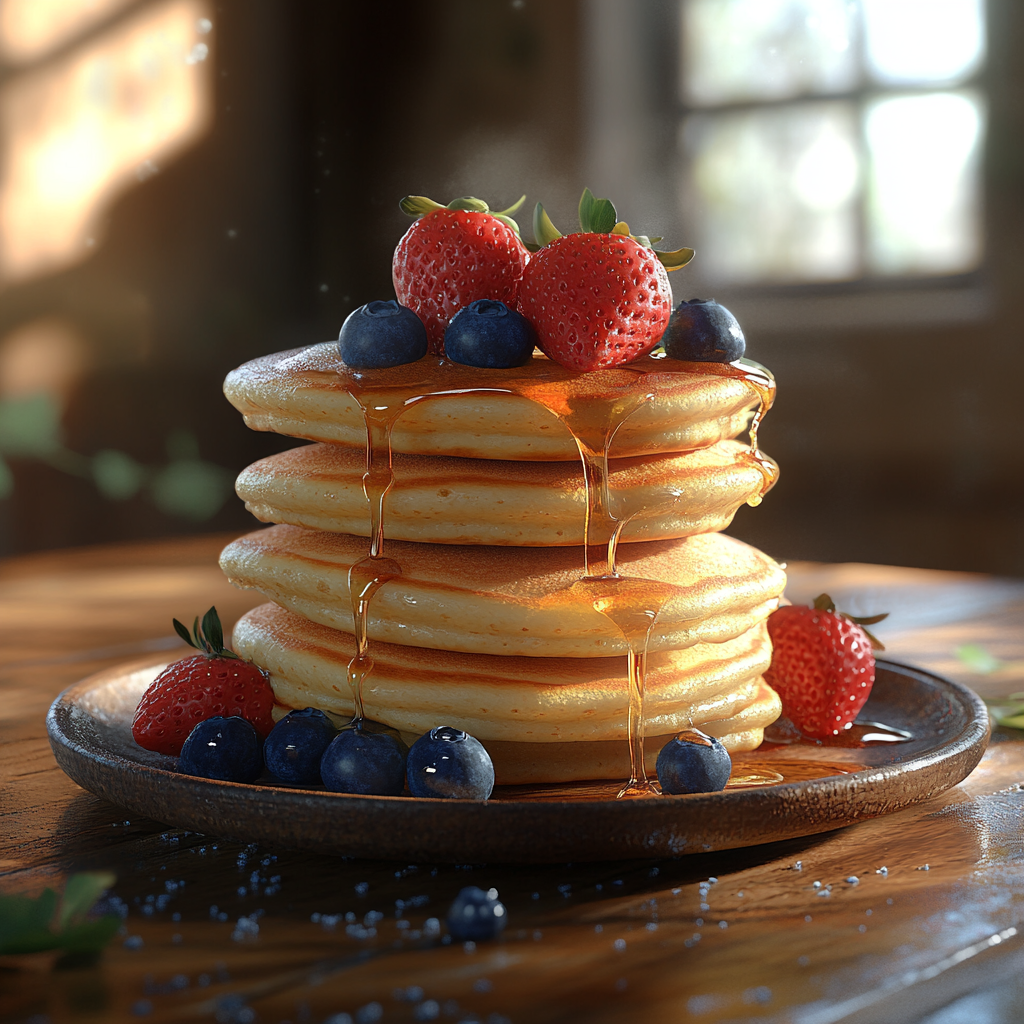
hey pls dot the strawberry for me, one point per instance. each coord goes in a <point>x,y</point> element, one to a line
<point>453,255</point>
<point>600,297</point>
<point>214,682</point>
<point>822,665</point>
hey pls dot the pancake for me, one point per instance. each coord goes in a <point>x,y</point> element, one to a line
<point>524,763</point>
<point>444,500</point>
<point>304,393</point>
<point>508,699</point>
<point>509,601</point>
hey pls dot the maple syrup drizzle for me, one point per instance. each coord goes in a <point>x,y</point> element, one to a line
<point>632,604</point>
<point>763,384</point>
<point>380,409</point>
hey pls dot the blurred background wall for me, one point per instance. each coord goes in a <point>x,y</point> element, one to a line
<point>187,184</point>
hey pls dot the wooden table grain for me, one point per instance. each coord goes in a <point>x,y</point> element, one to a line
<point>933,928</point>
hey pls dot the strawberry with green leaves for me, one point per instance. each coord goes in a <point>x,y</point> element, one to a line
<point>822,665</point>
<point>600,297</point>
<point>453,255</point>
<point>214,682</point>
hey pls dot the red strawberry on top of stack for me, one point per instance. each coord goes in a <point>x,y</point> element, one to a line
<point>453,255</point>
<point>599,297</point>
<point>822,667</point>
<point>215,682</point>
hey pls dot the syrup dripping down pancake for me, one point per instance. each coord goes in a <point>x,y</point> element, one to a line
<point>509,601</point>
<point>443,500</point>
<point>509,699</point>
<point>305,393</point>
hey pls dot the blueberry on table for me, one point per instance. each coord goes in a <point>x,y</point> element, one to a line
<point>296,744</point>
<point>702,331</point>
<point>364,762</point>
<point>693,762</point>
<point>382,334</point>
<point>476,915</point>
<point>226,749</point>
<point>487,333</point>
<point>449,763</point>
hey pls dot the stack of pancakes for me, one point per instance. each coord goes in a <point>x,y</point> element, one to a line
<point>483,628</point>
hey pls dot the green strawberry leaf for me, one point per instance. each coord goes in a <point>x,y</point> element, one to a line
<point>213,631</point>
<point>622,228</point>
<point>866,620</point>
<point>543,230</point>
<point>675,259</point>
<point>183,632</point>
<point>469,203</point>
<point>512,209</point>
<point>597,215</point>
<point>417,206</point>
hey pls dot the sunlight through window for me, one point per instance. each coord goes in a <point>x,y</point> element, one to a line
<point>785,184</point>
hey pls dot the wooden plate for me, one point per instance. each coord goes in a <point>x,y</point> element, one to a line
<point>823,788</point>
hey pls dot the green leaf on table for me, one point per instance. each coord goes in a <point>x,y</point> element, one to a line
<point>977,659</point>
<point>24,919</point>
<point>81,892</point>
<point>36,924</point>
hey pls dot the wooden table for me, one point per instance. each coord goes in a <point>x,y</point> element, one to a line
<point>218,931</point>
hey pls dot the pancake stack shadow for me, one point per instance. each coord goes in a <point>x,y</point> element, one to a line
<point>485,518</point>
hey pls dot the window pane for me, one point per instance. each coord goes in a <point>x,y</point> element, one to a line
<point>923,41</point>
<point>765,49</point>
<point>772,193</point>
<point>923,212</point>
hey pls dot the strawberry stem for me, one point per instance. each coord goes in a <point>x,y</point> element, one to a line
<point>824,603</point>
<point>208,638</point>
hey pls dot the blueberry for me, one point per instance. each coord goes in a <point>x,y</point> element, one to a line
<point>295,745</point>
<point>702,331</point>
<point>382,334</point>
<point>693,762</point>
<point>476,915</point>
<point>487,333</point>
<point>359,760</point>
<point>228,749</point>
<point>450,763</point>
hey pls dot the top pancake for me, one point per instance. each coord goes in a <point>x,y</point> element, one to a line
<point>305,393</point>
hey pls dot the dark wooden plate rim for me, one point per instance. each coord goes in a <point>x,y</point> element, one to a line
<point>524,831</point>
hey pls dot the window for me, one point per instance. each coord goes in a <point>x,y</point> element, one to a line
<point>832,140</point>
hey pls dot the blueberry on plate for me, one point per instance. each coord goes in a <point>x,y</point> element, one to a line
<point>296,744</point>
<point>487,333</point>
<point>449,763</point>
<point>227,749</point>
<point>362,761</point>
<point>382,334</point>
<point>476,915</point>
<point>702,331</point>
<point>693,762</point>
